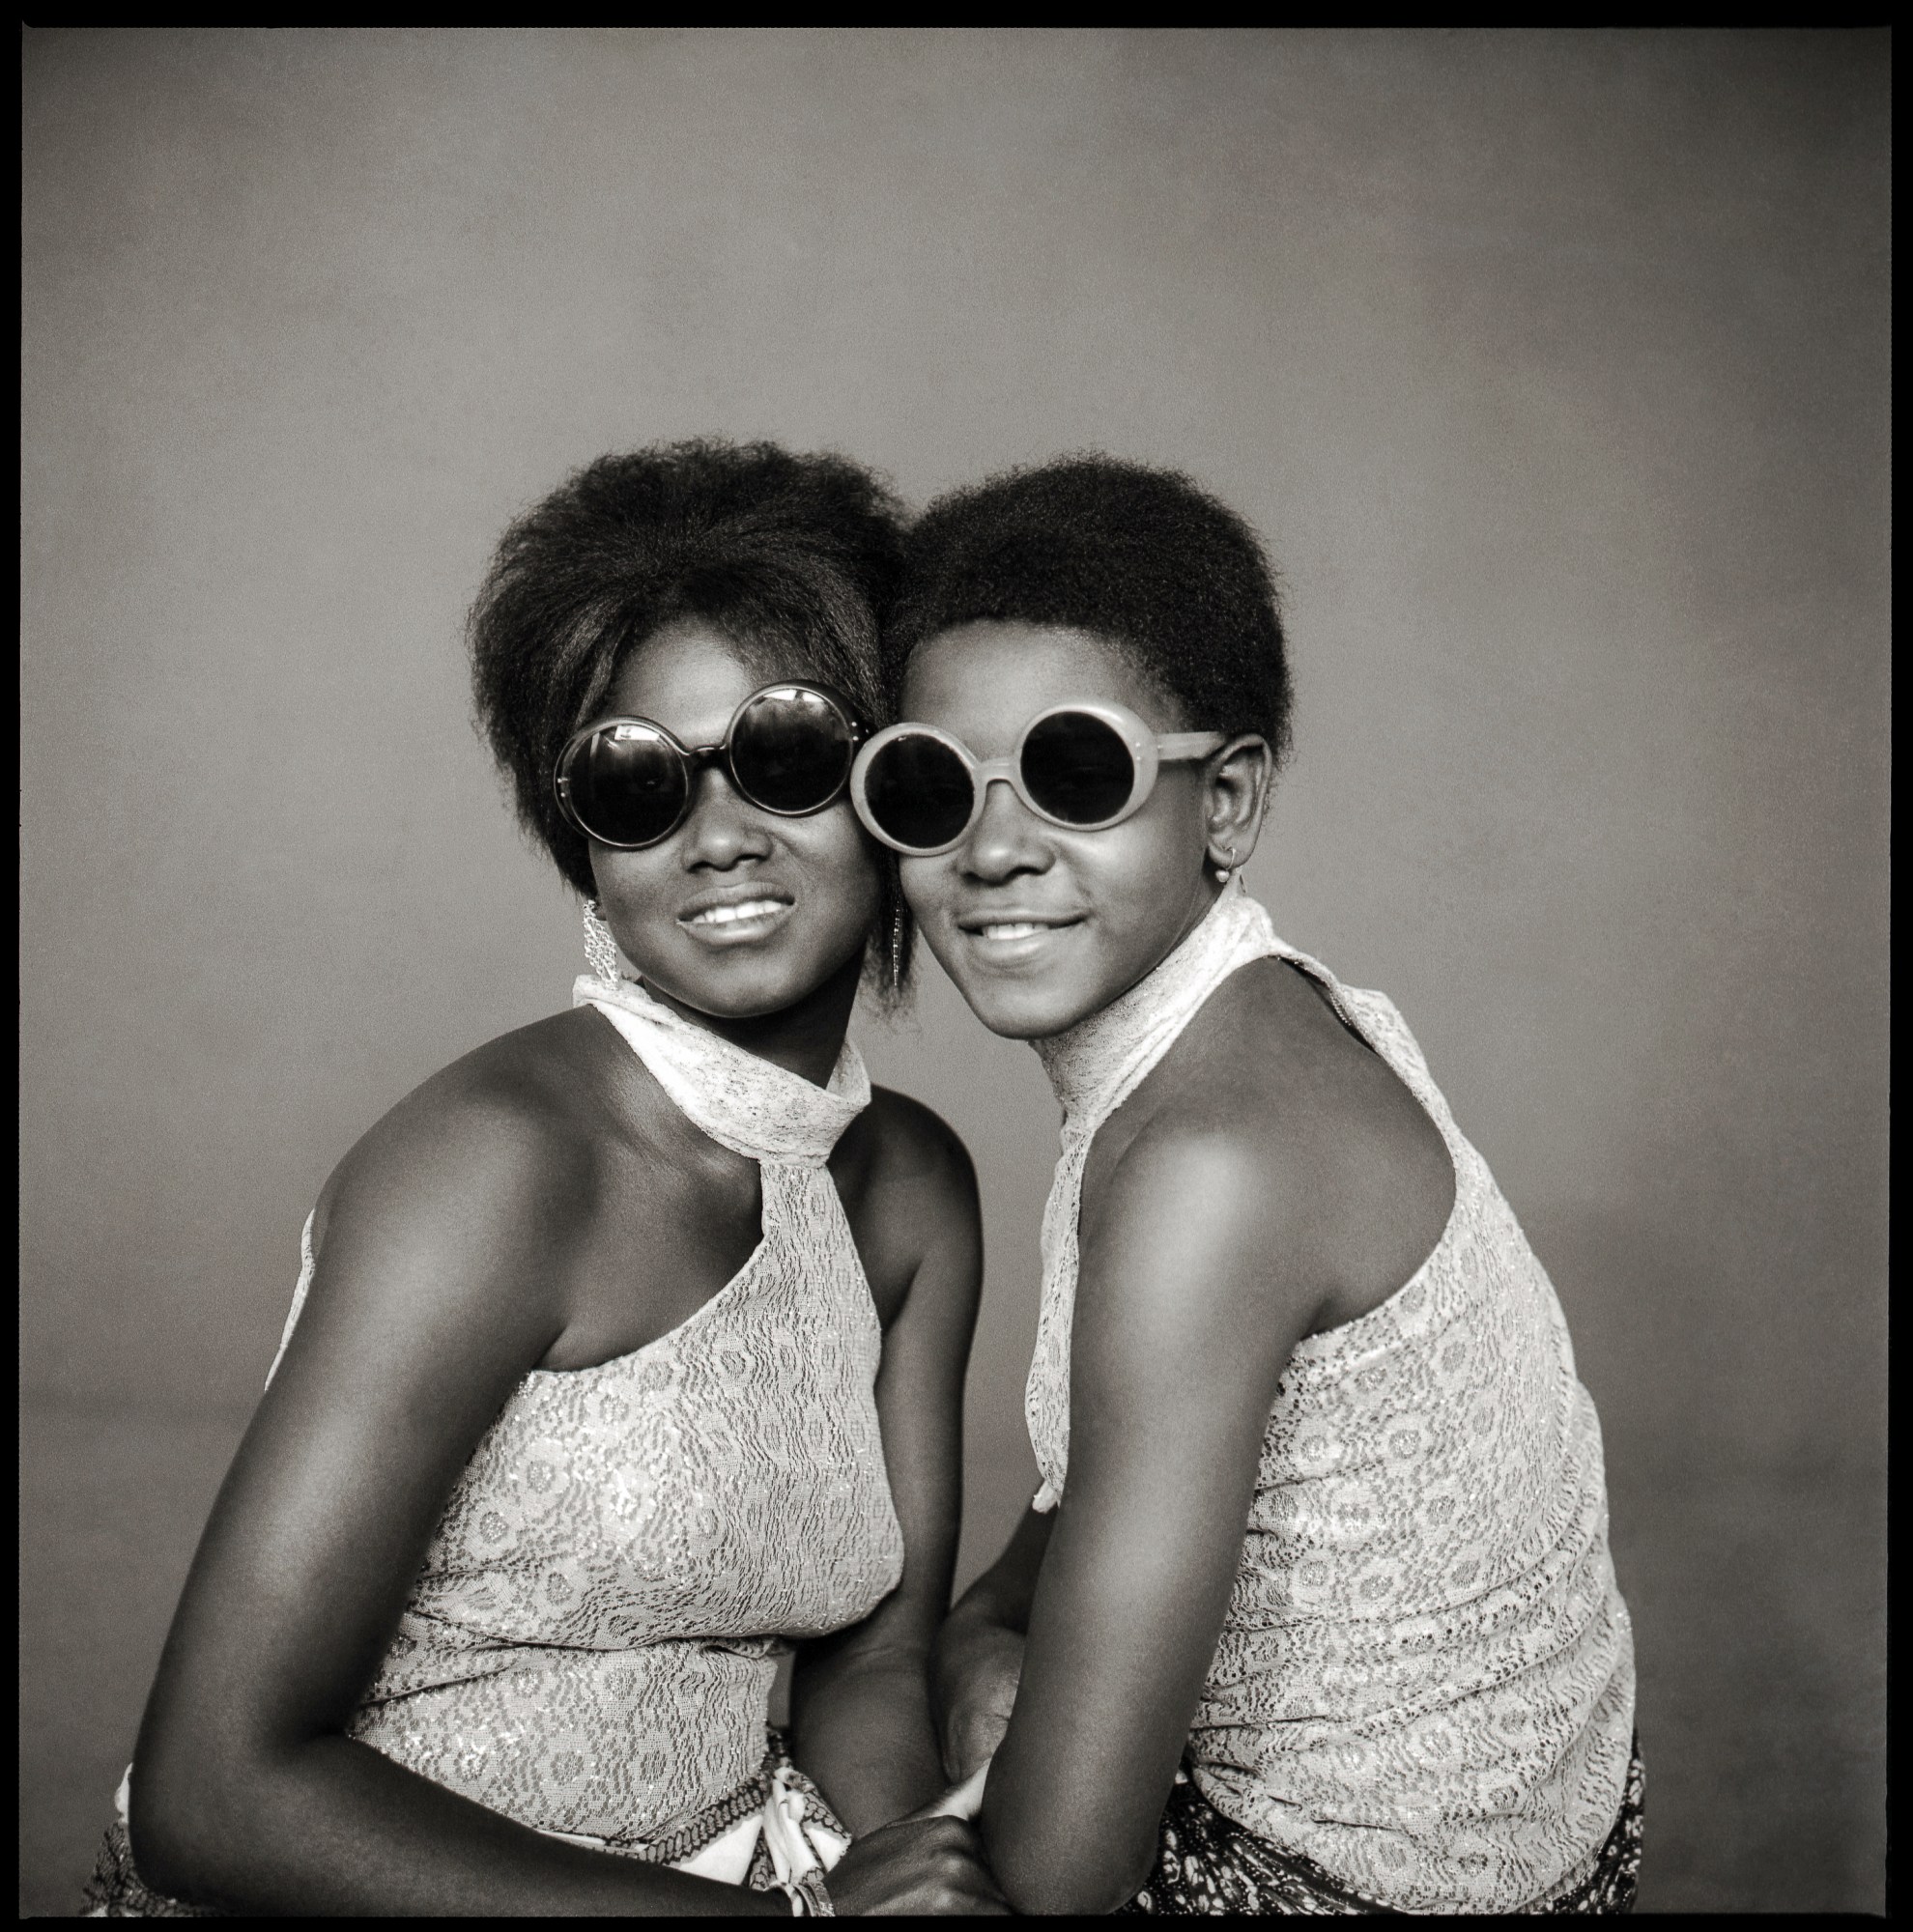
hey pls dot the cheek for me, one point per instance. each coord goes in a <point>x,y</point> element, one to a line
<point>1136,870</point>
<point>1143,888</point>
<point>927,884</point>
<point>630,881</point>
<point>839,862</point>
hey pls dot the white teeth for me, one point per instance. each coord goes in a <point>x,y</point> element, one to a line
<point>1013,929</point>
<point>729,915</point>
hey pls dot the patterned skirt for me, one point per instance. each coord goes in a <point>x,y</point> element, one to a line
<point>1209,1865</point>
<point>116,1890</point>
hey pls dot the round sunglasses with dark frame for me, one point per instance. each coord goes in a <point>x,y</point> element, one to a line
<point>627,783</point>
<point>1084,767</point>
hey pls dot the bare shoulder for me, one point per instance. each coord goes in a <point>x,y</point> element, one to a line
<point>514,1111</point>
<point>465,1196</point>
<point>915,1144</point>
<point>1272,1115</point>
<point>910,1191</point>
<point>1183,1207</point>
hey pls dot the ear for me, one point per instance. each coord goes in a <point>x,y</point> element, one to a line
<point>1238,777</point>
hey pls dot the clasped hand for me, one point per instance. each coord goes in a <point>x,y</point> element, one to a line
<point>930,1861</point>
<point>933,1860</point>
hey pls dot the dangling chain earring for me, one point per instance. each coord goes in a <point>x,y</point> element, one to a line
<point>1223,870</point>
<point>600,948</point>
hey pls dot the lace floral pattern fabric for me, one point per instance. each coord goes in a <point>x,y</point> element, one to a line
<point>590,1644</point>
<point>1424,1682</point>
<point>591,1639</point>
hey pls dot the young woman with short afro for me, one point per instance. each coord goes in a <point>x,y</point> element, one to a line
<point>1314,1610</point>
<point>628,1351</point>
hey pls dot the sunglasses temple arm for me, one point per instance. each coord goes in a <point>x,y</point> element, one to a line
<point>1174,746</point>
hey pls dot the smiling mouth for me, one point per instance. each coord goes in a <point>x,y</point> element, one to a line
<point>1015,937</point>
<point>743,912</point>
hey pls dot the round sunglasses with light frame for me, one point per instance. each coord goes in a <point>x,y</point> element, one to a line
<point>1084,767</point>
<point>627,783</point>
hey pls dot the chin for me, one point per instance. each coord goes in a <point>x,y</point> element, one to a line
<point>742,988</point>
<point>740,1003</point>
<point>1023,1012</point>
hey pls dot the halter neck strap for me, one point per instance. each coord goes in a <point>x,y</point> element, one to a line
<point>744,1102</point>
<point>1100,1062</point>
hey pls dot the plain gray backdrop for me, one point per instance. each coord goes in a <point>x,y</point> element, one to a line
<point>1552,368</point>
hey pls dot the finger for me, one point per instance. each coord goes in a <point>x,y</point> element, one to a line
<point>964,1799</point>
<point>974,1741</point>
<point>975,1905</point>
<point>937,1807</point>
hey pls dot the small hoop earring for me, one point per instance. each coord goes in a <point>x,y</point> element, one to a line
<point>1223,870</point>
<point>600,948</point>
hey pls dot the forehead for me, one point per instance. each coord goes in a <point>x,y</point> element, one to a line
<point>985,681</point>
<point>688,676</point>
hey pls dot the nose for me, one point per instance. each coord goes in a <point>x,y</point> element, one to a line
<point>722,829</point>
<point>1008,838</point>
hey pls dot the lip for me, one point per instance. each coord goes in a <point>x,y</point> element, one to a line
<point>980,917</point>
<point>1004,936</point>
<point>737,914</point>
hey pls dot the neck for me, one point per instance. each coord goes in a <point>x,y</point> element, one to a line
<point>1208,890</point>
<point>1096,1063</point>
<point>1201,903</point>
<point>805,1038</point>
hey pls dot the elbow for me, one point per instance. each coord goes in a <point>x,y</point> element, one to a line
<point>187,1818</point>
<point>1046,1882</point>
<point>1073,1894</point>
<point>165,1831</point>
<point>1130,1878</point>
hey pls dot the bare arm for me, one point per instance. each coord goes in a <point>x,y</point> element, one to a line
<point>432,1297</point>
<point>860,1698</point>
<point>1179,1344</point>
<point>978,1660</point>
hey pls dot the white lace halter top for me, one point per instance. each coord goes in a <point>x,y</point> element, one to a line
<point>1425,1676</point>
<point>591,1642</point>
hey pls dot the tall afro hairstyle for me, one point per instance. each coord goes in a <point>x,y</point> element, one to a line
<point>1140,557</point>
<point>794,559</point>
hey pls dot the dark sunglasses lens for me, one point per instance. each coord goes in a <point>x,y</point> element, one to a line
<point>919,792</point>
<point>627,785</point>
<point>791,751</point>
<point>1078,768</point>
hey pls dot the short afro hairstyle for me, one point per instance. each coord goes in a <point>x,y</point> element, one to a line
<point>795,559</point>
<point>1138,555</point>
